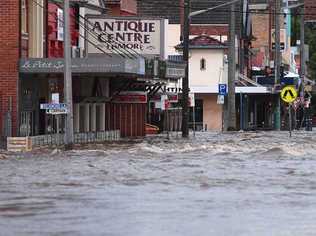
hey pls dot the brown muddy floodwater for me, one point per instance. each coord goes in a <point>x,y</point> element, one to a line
<point>237,184</point>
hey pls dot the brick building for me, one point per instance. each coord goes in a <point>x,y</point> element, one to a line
<point>9,54</point>
<point>32,42</point>
<point>310,10</point>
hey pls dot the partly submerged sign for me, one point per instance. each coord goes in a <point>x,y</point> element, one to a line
<point>125,34</point>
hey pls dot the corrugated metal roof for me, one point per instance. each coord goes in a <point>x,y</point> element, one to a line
<point>171,10</point>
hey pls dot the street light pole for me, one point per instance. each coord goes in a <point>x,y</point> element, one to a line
<point>231,99</point>
<point>185,80</point>
<point>302,43</point>
<point>277,62</point>
<point>69,137</point>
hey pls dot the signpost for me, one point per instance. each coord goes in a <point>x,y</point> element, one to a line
<point>222,89</point>
<point>192,104</point>
<point>55,108</point>
<point>289,95</point>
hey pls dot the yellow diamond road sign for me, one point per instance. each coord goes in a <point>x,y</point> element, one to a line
<point>288,94</point>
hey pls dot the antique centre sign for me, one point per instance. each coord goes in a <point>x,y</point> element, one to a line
<point>119,34</point>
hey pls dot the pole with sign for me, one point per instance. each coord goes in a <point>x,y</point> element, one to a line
<point>288,95</point>
<point>164,107</point>
<point>192,104</point>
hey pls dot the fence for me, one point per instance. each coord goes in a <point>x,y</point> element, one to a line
<point>91,137</point>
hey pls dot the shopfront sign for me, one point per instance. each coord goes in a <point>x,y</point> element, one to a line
<point>131,97</point>
<point>60,24</point>
<point>84,65</point>
<point>175,70</point>
<point>172,97</point>
<point>118,34</point>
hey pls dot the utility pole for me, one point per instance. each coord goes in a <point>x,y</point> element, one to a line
<point>185,80</point>
<point>69,138</point>
<point>302,43</point>
<point>230,118</point>
<point>277,62</point>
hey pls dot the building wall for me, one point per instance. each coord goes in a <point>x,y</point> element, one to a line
<point>212,112</point>
<point>212,75</point>
<point>261,31</point>
<point>9,52</point>
<point>173,38</point>
<point>218,32</point>
<point>36,29</point>
<point>55,46</point>
<point>310,10</point>
<point>128,7</point>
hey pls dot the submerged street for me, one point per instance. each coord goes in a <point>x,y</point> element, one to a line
<point>213,184</point>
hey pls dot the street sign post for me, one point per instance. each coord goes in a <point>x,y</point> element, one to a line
<point>220,99</point>
<point>52,106</point>
<point>57,111</point>
<point>222,89</point>
<point>289,95</point>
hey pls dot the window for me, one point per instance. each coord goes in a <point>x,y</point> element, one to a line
<point>203,64</point>
<point>23,17</point>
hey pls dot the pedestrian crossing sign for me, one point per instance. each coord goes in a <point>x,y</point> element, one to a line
<point>288,94</point>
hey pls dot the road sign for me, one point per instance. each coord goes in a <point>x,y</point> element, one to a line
<point>288,94</point>
<point>57,111</point>
<point>191,100</point>
<point>222,89</point>
<point>53,106</point>
<point>220,99</point>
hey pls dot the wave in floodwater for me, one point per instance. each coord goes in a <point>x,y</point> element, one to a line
<point>241,184</point>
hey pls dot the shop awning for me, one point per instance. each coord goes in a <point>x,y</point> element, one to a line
<point>139,67</point>
<point>84,65</point>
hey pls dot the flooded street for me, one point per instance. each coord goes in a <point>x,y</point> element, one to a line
<point>239,184</point>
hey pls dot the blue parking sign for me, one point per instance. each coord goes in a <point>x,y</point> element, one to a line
<point>222,89</point>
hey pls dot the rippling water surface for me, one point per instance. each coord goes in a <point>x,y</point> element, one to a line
<point>214,184</point>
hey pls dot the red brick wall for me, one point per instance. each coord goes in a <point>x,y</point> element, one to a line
<point>209,29</point>
<point>123,8</point>
<point>129,7</point>
<point>9,54</point>
<point>55,47</point>
<point>310,10</point>
<point>260,30</point>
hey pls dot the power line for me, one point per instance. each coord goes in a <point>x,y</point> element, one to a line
<point>256,12</point>
<point>95,35</point>
<point>120,52</point>
<point>38,4</point>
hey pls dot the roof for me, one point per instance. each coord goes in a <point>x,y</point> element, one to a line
<point>171,10</point>
<point>204,42</point>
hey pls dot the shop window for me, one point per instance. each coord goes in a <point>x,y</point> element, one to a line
<point>203,64</point>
